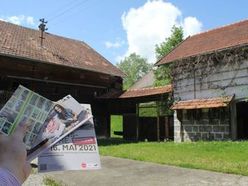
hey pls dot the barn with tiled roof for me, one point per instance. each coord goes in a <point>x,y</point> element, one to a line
<point>210,84</point>
<point>55,68</point>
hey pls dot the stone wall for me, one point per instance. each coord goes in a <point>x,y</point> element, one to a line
<point>202,124</point>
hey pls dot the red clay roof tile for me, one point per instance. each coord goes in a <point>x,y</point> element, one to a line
<point>213,40</point>
<point>131,93</point>
<point>134,93</point>
<point>203,103</point>
<point>18,41</point>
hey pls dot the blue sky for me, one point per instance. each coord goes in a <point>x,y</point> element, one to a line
<point>116,28</point>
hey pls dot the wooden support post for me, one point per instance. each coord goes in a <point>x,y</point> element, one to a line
<point>108,127</point>
<point>137,121</point>
<point>158,129</point>
<point>233,113</point>
<point>166,127</point>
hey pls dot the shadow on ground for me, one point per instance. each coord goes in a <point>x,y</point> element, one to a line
<point>113,141</point>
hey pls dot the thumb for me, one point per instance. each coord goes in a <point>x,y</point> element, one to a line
<point>19,132</point>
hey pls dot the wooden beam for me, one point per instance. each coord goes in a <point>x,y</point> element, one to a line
<point>158,129</point>
<point>18,67</point>
<point>137,121</point>
<point>55,82</point>
<point>166,119</point>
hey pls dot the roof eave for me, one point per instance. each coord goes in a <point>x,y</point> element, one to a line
<point>204,53</point>
<point>158,62</point>
<point>50,63</point>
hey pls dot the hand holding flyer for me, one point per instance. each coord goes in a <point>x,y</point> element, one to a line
<point>47,122</point>
<point>13,155</point>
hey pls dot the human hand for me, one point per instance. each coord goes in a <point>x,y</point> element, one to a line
<point>13,154</point>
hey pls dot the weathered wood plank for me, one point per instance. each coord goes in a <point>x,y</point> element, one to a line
<point>239,91</point>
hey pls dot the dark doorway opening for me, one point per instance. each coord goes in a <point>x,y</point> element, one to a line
<point>242,120</point>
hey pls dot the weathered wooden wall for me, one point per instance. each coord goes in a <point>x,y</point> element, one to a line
<point>56,81</point>
<point>226,79</point>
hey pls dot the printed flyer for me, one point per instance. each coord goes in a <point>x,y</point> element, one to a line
<point>77,151</point>
<point>47,122</point>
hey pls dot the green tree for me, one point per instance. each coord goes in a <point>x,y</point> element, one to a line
<point>135,67</point>
<point>163,73</point>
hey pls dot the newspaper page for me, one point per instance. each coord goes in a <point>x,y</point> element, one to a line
<point>47,122</point>
<point>77,151</point>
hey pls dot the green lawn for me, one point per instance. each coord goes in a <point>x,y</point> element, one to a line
<point>116,125</point>
<point>228,157</point>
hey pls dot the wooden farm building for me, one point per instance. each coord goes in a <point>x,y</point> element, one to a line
<point>59,67</point>
<point>209,87</point>
<point>210,84</point>
<point>155,125</point>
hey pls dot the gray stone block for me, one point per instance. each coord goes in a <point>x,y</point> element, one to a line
<point>225,121</point>
<point>211,136</point>
<point>205,136</point>
<point>218,136</point>
<point>226,136</point>
<point>227,129</point>
<point>204,122</point>
<point>214,122</point>
<point>188,128</point>
<point>219,128</point>
<point>195,129</point>
<point>205,128</point>
<point>195,136</point>
<point>187,122</point>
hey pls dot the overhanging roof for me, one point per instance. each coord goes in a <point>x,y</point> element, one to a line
<point>222,38</point>
<point>137,93</point>
<point>20,42</point>
<point>143,92</point>
<point>203,103</point>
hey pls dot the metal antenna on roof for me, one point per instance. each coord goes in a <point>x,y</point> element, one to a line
<point>42,28</point>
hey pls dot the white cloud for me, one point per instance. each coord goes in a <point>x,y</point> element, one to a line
<point>151,23</point>
<point>117,44</point>
<point>19,20</point>
<point>191,26</point>
<point>16,19</point>
<point>30,20</point>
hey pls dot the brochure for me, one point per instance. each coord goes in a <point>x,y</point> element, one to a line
<point>77,151</point>
<point>47,122</point>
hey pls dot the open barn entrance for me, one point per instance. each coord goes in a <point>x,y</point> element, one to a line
<point>116,123</point>
<point>242,120</point>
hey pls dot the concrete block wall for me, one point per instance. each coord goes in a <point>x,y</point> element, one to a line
<point>202,124</point>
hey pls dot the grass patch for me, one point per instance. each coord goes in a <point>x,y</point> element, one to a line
<point>148,112</point>
<point>227,157</point>
<point>116,125</point>
<point>51,182</point>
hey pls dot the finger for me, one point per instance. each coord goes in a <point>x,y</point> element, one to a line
<point>19,132</point>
